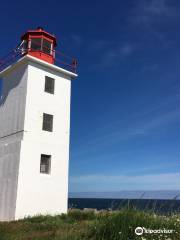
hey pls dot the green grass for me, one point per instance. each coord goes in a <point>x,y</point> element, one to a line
<point>88,225</point>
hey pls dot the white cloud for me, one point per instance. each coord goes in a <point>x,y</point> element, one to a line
<point>163,181</point>
<point>157,7</point>
<point>148,12</point>
<point>77,39</point>
<point>150,68</point>
<point>150,122</point>
<point>114,55</point>
<point>155,122</point>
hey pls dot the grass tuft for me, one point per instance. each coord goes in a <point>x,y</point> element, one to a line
<point>90,225</point>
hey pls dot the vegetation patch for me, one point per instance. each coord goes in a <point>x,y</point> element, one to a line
<point>91,225</point>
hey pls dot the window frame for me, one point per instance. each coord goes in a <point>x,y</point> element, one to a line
<point>47,165</point>
<point>46,121</point>
<point>52,90</point>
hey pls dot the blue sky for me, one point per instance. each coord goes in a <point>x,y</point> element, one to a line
<point>125,131</point>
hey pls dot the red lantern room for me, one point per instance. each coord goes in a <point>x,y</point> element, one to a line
<point>40,44</point>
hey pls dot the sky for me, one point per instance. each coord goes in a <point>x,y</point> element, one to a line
<point>125,106</point>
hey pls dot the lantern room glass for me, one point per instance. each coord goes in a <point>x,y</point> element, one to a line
<point>36,44</point>
<point>41,44</point>
<point>46,46</point>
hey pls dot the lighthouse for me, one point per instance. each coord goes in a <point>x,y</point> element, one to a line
<point>34,127</point>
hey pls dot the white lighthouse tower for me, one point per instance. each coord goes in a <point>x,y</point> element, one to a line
<point>34,129</point>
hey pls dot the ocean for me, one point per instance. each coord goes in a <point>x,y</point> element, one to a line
<point>161,202</point>
<point>156,205</point>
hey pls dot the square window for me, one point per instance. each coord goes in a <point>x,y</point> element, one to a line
<point>47,122</point>
<point>45,164</point>
<point>49,85</point>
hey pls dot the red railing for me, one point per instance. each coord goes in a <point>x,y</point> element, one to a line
<point>65,61</point>
<point>60,59</point>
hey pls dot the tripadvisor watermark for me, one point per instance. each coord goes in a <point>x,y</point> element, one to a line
<point>142,230</point>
